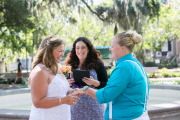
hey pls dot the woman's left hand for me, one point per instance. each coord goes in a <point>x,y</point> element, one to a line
<point>70,81</point>
<point>88,81</point>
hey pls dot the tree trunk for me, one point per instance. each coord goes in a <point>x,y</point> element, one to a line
<point>138,56</point>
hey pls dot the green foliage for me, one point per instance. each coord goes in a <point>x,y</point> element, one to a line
<point>173,74</point>
<point>1,79</point>
<point>93,31</point>
<point>24,83</point>
<point>158,75</point>
<point>161,65</point>
<point>16,22</point>
<point>165,82</point>
<point>167,65</point>
<point>165,27</point>
<point>124,12</point>
<point>154,75</point>
<point>3,82</point>
<point>151,75</point>
<point>173,64</point>
<point>70,20</point>
<point>110,70</point>
<point>150,64</point>
<point>164,72</point>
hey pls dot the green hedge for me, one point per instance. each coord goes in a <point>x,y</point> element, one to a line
<point>10,81</point>
<point>164,73</point>
<point>165,82</point>
<point>110,70</point>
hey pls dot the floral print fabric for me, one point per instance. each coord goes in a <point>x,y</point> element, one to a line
<point>88,108</point>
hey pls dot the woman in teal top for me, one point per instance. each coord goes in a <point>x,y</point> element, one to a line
<point>128,86</point>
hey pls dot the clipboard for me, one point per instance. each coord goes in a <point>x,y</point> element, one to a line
<point>79,74</point>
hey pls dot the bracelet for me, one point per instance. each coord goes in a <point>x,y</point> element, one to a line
<point>85,88</point>
<point>60,101</point>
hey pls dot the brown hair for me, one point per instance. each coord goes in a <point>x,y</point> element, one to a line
<point>129,39</point>
<point>93,60</point>
<point>44,54</point>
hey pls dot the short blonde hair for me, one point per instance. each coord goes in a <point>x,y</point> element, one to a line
<point>44,54</point>
<point>128,39</point>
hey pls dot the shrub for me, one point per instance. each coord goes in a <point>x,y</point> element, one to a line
<point>164,72</point>
<point>150,64</point>
<point>178,82</point>
<point>158,75</point>
<point>109,71</point>
<point>172,74</point>
<point>3,82</point>
<point>165,82</point>
<point>0,82</point>
<point>161,65</point>
<point>19,81</point>
<point>168,65</point>
<point>174,64</point>
<point>151,75</point>
<point>11,80</point>
<point>178,74</point>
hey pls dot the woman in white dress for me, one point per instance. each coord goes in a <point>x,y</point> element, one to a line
<point>49,87</point>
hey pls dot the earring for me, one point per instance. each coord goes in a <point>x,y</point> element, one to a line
<point>122,51</point>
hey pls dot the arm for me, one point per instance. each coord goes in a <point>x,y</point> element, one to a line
<point>21,68</point>
<point>91,92</point>
<point>39,87</point>
<point>117,83</point>
<point>102,78</point>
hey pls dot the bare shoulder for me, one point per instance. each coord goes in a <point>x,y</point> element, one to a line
<point>39,71</point>
<point>39,74</point>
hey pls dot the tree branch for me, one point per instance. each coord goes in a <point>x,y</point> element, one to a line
<point>97,35</point>
<point>3,33</point>
<point>12,24</point>
<point>59,30</point>
<point>92,10</point>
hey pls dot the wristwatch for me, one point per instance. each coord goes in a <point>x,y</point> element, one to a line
<point>85,88</point>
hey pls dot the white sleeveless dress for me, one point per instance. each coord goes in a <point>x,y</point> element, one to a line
<point>58,87</point>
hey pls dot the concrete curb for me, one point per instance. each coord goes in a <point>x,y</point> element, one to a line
<point>27,90</point>
<point>8,114</point>
<point>14,91</point>
<point>165,114</point>
<point>161,86</point>
<point>165,79</point>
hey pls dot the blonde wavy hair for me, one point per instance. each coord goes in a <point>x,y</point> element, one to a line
<point>128,39</point>
<point>44,54</point>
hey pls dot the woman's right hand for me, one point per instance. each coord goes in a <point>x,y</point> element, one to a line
<point>70,100</point>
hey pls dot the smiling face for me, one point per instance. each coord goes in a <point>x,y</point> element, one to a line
<point>81,51</point>
<point>58,53</point>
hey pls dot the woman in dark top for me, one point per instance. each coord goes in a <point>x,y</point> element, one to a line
<point>84,56</point>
